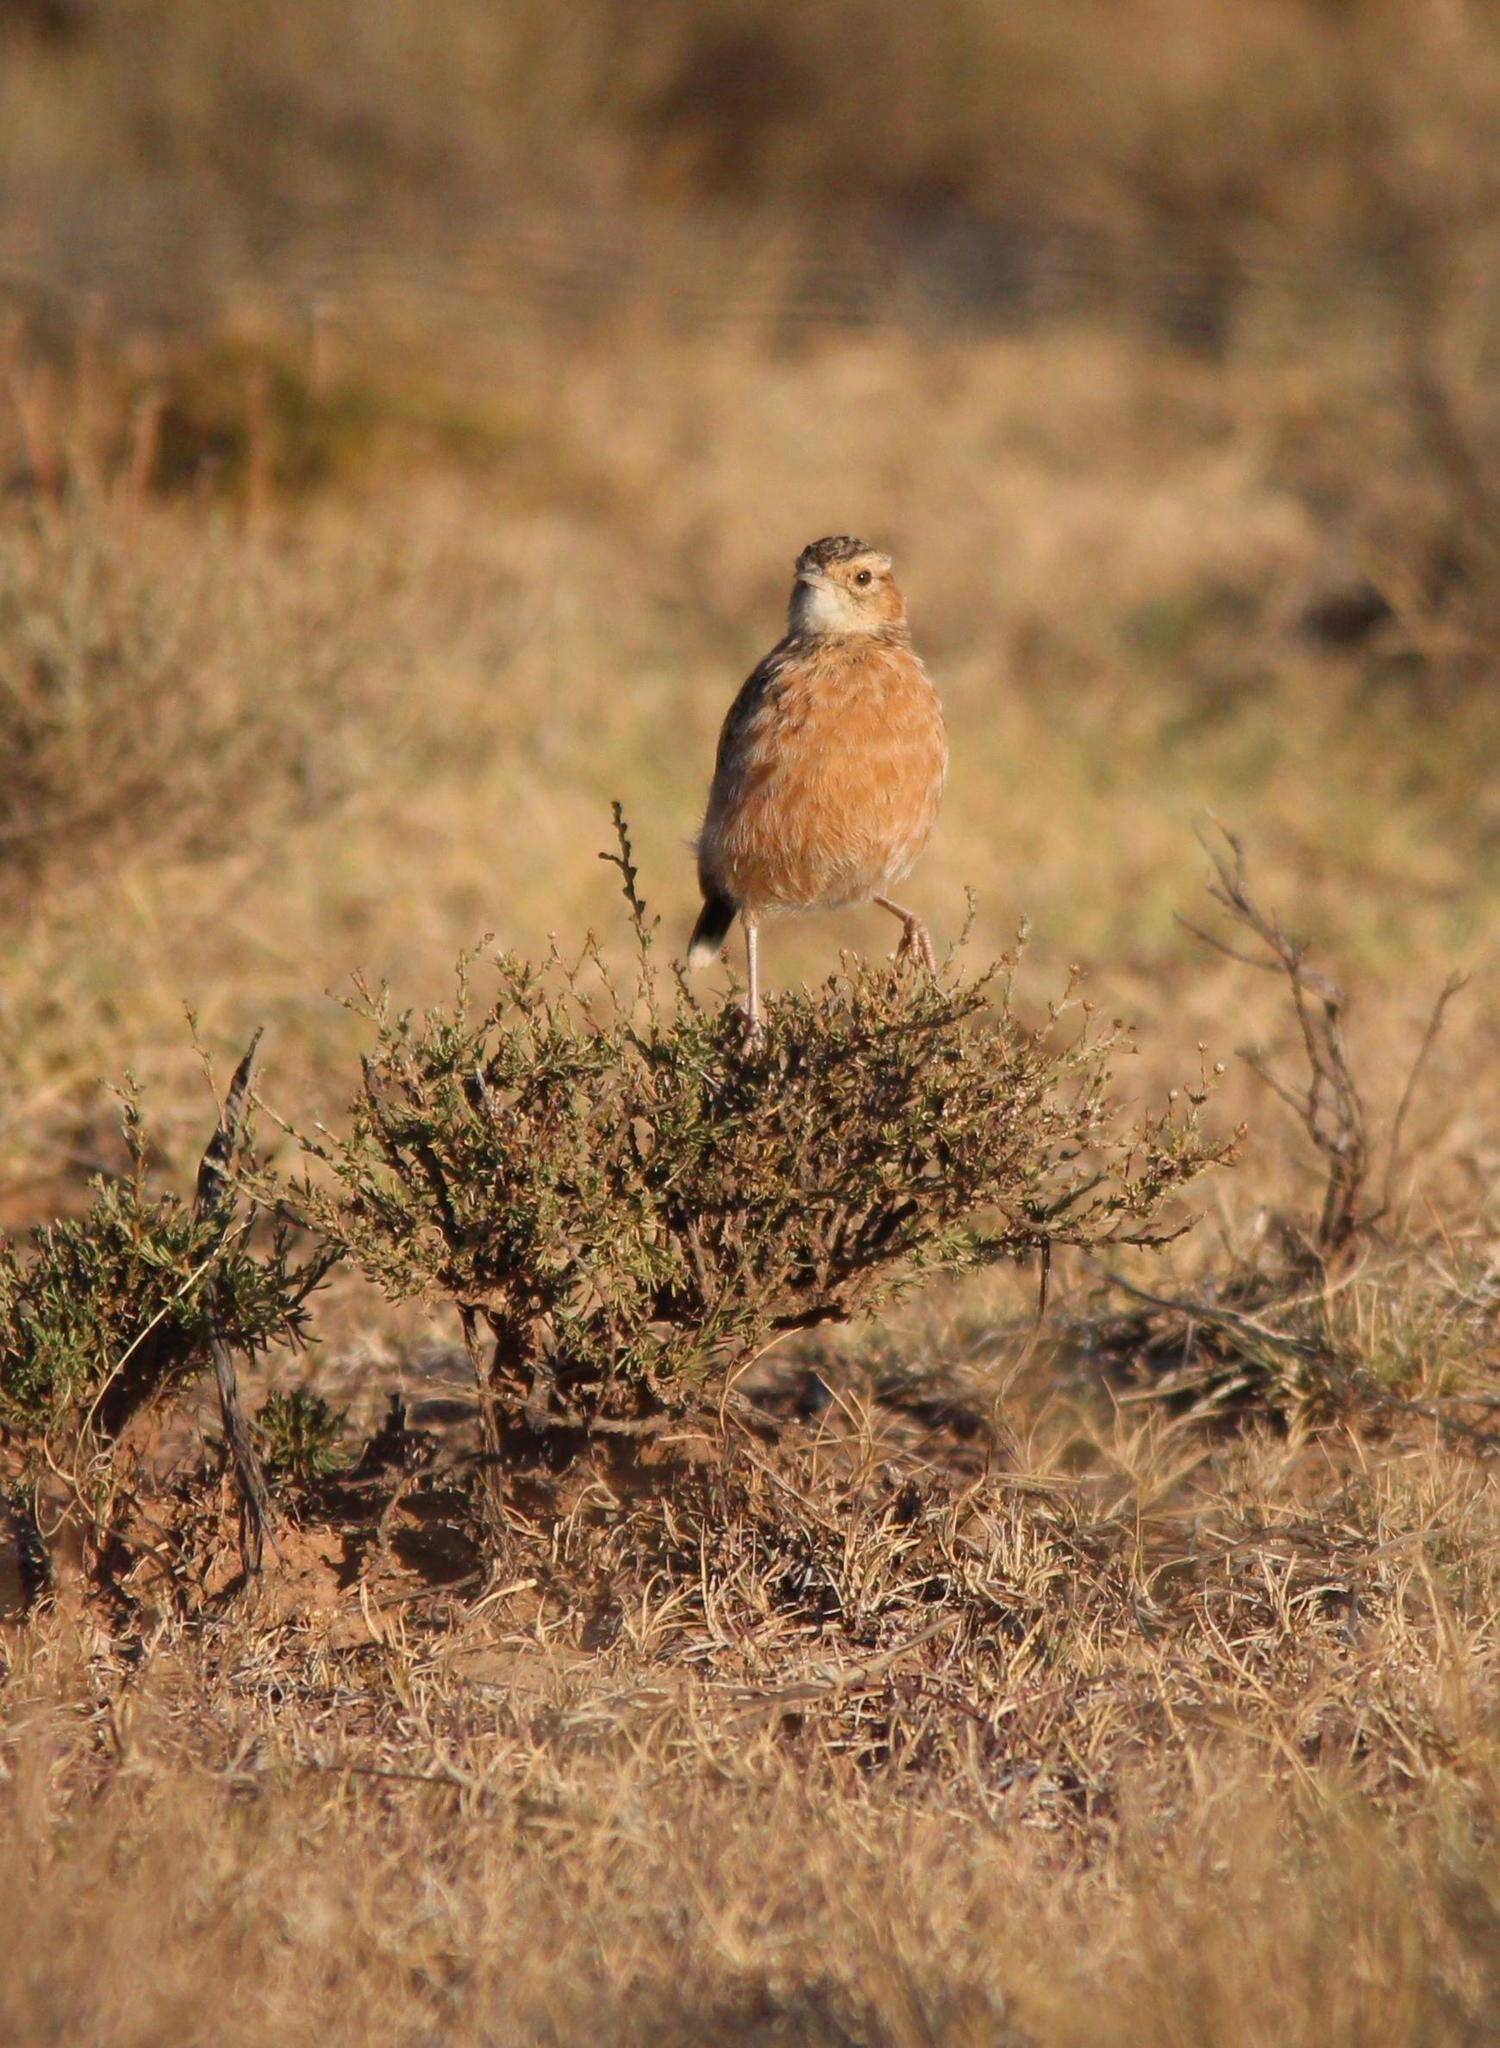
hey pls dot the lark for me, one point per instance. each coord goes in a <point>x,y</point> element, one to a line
<point>830,767</point>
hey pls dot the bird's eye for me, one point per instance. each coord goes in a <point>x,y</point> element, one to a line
<point>862,577</point>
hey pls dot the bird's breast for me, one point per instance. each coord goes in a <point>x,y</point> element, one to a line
<point>829,792</point>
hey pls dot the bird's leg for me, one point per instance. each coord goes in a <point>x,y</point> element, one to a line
<point>915,937</point>
<point>754,1029</point>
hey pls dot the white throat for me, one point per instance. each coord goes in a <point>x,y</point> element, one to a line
<point>821,607</point>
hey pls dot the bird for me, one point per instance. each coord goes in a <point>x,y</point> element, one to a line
<point>830,766</point>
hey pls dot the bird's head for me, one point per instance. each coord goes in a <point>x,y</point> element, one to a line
<point>843,586</point>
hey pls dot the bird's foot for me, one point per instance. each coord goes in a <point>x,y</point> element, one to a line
<point>916,943</point>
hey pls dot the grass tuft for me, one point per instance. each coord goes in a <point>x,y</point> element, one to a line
<point>300,1436</point>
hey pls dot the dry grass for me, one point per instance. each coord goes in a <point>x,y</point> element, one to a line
<point>1138,1734</point>
<point>129,727</point>
<point>367,528</point>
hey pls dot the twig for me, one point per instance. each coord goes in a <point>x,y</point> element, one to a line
<point>32,1555</point>
<point>1329,1105</point>
<point>1446,993</point>
<point>1208,1312</point>
<point>847,1677</point>
<point>211,1202</point>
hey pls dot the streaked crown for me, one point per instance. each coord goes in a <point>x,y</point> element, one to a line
<point>838,547</point>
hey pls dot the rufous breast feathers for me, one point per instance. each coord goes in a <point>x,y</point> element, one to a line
<point>829,777</point>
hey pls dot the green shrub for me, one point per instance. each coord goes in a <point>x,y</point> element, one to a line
<point>632,1204</point>
<point>103,1312</point>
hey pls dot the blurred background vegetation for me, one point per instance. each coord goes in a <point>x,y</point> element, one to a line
<point>408,416</point>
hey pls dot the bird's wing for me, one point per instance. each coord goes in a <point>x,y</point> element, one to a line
<point>743,716</point>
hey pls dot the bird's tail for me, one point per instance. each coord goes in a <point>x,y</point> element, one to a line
<point>711,930</point>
